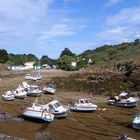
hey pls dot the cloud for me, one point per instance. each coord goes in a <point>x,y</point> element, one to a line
<point>57,30</point>
<point>23,9</point>
<point>129,16</point>
<point>36,20</point>
<point>35,25</point>
<point>121,27</point>
<point>20,18</point>
<point>112,2</point>
<point>65,27</point>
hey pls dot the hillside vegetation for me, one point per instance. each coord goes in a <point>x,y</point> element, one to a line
<point>113,53</point>
<point>102,55</point>
<point>114,68</point>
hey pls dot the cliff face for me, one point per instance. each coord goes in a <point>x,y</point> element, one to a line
<point>103,79</point>
<point>135,78</point>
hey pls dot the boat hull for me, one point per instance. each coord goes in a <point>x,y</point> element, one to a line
<point>60,114</point>
<point>126,104</point>
<point>8,98</point>
<point>48,91</point>
<point>82,109</point>
<point>136,126</point>
<point>136,122</point>
<point>34,94</point>
<point>42,115</point>
<point>21,96</point>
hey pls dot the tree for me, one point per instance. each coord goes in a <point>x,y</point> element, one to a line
<point>136,42</point>
<point>67,52</point>
<point>3,56</point>
<point>20,59</point>
<point>45,60</point>
<point>65,62</point>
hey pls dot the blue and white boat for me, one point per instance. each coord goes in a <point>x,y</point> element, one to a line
<point>36,111</point>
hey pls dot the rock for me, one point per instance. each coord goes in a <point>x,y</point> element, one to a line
<point>5,116</point>
<point>42,135</point>
<point>6,137</point>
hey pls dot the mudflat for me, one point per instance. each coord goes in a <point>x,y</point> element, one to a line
<point>107,123</point>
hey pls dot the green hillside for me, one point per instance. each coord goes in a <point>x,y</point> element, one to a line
<point>102,55</point>
<point>108,53</point>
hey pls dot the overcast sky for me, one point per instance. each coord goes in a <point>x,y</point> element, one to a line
<point>46,27</point>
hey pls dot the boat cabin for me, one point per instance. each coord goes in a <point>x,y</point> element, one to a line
<point>54,105</point>
<point>51,86</point>
<point>124,95</point>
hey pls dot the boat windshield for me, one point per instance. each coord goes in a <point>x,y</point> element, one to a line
<point>138,115</point>
<point>56,105</point>
<point>51,107</point>
<point>8,92</point>
<point>51,86</point>
<point>36,104</point>
<point>124,97</point>
<point>84,101</point>
<point>34,88</point>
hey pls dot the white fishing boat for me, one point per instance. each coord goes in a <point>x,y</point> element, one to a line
<point>33,77</point>
<point>36,111</point>
<point>57,109</point>
<point>33,90</point>
<point>84,105</point>
<point>136,122</point>
<point>28,77</point>
<point>8,95</point>
<point>123,100</point>
<point>36,74</point>
<point>20,92</point>
<point>25,85</point>
<point>36,77</point>
<point>50,89</point>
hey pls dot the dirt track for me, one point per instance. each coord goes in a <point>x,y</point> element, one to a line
<point>107,123</point>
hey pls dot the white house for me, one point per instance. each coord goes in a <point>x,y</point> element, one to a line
<point>46,66</point>
<point>74,64</point>
<point>90,61</point>
<point>29,65</point>
<point>15,68</point>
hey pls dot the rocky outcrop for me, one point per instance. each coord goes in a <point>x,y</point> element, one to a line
<point>6,137</point>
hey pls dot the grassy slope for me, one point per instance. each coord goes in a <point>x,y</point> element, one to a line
<point>104,57</point>
<point>115,53</point>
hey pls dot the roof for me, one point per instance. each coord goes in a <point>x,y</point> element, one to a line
<point>123,94</point>
<point>27,63</point>
<point>53,102</point>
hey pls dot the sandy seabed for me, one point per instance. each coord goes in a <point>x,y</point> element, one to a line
<point>107,123</point>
